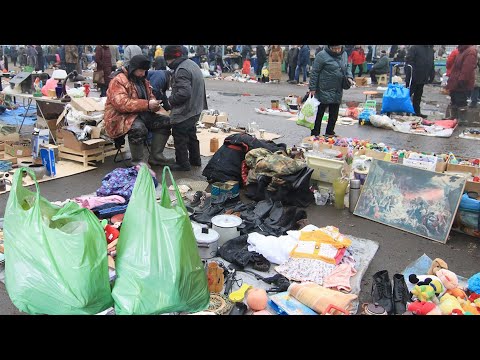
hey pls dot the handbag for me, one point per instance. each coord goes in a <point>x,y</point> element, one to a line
<point>345,82</point>
<point>98,77</point>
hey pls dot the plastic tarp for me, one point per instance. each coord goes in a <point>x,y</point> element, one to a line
<point>158,266</point>
<point>55,258</point>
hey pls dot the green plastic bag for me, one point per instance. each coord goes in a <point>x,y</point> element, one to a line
<point>55,258</point>
<point>307,114</point>
<point>158,266</point>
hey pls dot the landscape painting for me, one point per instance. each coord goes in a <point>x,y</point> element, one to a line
<point>418,201</point>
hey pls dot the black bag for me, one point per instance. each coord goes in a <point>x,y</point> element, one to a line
<point>345,82</point>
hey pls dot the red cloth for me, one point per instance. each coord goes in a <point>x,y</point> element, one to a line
<point>447,124</point>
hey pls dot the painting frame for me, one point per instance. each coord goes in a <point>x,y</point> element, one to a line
<point>414,200</point>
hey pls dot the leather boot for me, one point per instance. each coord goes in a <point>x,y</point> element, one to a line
<point>401,295</point>
<point>453,112</point>
<point>158,144</point>
<point>382,290</point>
<point>136,151</point>
<point>180,167</point>
<point>462,115</point>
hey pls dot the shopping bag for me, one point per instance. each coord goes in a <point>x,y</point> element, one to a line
<point>55,258</point>
<point>98,77</point>
<point>158,266</point>
<point>308,113</point>
<point>397,99</point>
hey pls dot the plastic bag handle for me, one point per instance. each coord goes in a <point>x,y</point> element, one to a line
<point>17,181</point>
<point>166,200</point>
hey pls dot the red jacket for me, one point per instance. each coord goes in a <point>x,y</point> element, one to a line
<point>451,60</point>
<point>462,77</point>
<point>357,57</point>
<point>123,104</point>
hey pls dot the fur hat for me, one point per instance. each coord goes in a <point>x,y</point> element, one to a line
<point>172,52</point>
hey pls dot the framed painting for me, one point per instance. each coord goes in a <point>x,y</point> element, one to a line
<point>414,200</point>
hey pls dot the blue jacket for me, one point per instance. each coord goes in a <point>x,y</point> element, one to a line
<point>159,81</point>
<point>304,55</point>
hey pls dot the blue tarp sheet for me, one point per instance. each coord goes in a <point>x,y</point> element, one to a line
<point>14,117</point>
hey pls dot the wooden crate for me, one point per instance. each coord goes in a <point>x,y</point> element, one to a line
<point>85,156</point>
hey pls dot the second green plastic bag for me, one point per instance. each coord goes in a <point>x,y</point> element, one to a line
<point>158,266</point>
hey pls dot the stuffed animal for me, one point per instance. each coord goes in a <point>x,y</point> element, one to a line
<point>437,264</point>
<point>474,283</point>
<point>431,280</point>
<point>423,292</point>
<point>424,308</point>
<point>448,303</point>
<point>458,293</point>
<point>469,308</point>
<point>448,278</point>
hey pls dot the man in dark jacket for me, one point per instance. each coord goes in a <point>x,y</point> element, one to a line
<point>303,61</point>
<point>419,70</point>
<point>292,59</point>
<point>160,81</point>
<point>261,58</point>
<point>382,66</point>
<point>188,100</point>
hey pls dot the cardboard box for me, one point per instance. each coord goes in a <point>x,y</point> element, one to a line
<point>42,138</point>
<point>475,171</point>
<point>88,104</point>
<point>472,186</point>
<point>70,141</point>
<point>18,149</point>
<point>361,81</point>
<point>48,159</point>
<point>222,117</point>
<point>209,120</point>
<point>10,137</point>
<point>342,149</point>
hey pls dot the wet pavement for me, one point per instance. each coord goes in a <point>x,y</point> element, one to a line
<point>397,248</point>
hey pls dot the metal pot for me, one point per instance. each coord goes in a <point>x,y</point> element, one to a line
<point>39,170</point>
<point>227,227</point>
<point>207,242</point>
<point>373,309</point>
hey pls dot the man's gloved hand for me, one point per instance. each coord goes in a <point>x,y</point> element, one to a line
<point>352,82</point>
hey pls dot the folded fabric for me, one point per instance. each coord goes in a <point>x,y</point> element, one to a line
<point>90,202</point>
<point>339,278</point>
<point>108,210</point>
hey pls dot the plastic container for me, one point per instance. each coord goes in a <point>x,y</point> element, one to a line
<point>326,170</point>
<point>340,188</point>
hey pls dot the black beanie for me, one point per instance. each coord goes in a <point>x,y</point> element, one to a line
<point>172,52</point>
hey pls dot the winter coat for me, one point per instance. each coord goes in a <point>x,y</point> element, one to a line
<point>261,54</point>
<point>188,97</point>
<point>246,51</point>
<point>123,104</point>
<point>400,55</point>
<point>200,50</point>
<point>382,65</point>
<point>357,56</point>
<point>226,164</point>
<point>420,57</point>
<point>276,55</point>
<point>292,56</point>
<point>71,54</point>
<point>115,54</point>
<point>326,76</point>
<point>304,56</point>
<point>159,79</point>
<point>477,71</point>
<point>451,60</point>
<point>462,77</point>
<point>103,58</point>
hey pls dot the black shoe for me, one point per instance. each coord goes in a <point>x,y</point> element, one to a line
<point>196,199</point>
<point>382,291</point>
<point>331,134</point>
<point>196,163</point>
<point>180,167</point>
<point>401,295</point>
<point>422,115</point>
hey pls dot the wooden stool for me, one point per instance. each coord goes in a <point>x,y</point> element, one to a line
<point>372,94</point>
<point>382,79</point>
